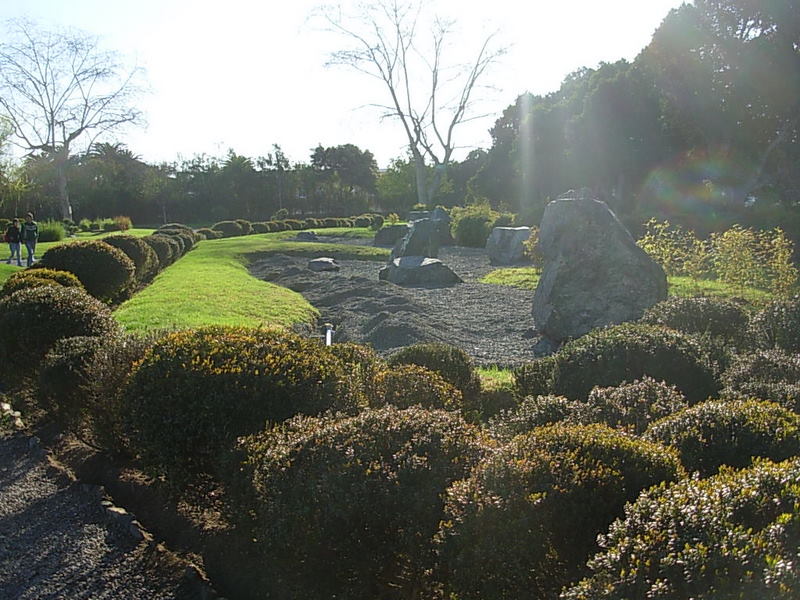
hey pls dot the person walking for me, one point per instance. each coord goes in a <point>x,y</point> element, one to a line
<point>12,237</point>
<point>30,233</point>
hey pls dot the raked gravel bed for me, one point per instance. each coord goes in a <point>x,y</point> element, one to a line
<point>492,323</point>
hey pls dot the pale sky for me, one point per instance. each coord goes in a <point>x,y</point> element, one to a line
<point>246,74</point>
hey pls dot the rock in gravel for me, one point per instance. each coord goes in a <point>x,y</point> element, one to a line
<point>389,235</point>
<point>594,274</point>
<point>505,245</point>
<point>323,263</point>
<point>422,239</point>
<point>418,270</point>
<point>306,236</point>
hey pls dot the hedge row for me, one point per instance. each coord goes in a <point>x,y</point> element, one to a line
<point>240,227</point>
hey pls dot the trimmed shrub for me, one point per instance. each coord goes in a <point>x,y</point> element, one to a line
<point>533,412</point>
<point>178,226</point>
<point>526,520</point>
<point>611,356</point>
<point>188,240</point>
<point>534,378</point>
<point>261,228</point>
<point>453,364</point>
<point>273,226</point>
<point>51,231</point>
<point>102,269</point>
<point>472,225</point>
<point>279,226</point>
<point>362,364</point>
<point>208,233</point>
<point>706,316</point>
<point>632,406</point>
<point>715,433</point>
<point>228,228</point>
<point>347,508</point>
<point>215,384</point>
<point>377,222</point>
<point>293,224</point>
<point>764,374</point>
<point>734,535</point>
<point>330,222</point>
<point>410,385</point>
<point>33,320</point>
<point>143,256</point>
<point>39,276</point>
<point>162,248</point>
<point>176,242</point>
<point>362,221</point>
<point>777,326</point>
<point>247,227</point>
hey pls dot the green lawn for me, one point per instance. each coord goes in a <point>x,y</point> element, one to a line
<point>211,285</point>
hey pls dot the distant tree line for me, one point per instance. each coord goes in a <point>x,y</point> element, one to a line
<point>701,128</point>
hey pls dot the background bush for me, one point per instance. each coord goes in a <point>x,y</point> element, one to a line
<point>409,385</point>
<point>532,412</point>
<point>706,316</point>
<point>102,269</point>
<point>472,225</point>
<point>527,518</point>
<point>347,508</point>
<point>247,227</point>
<point>534,378</point>
<point>33,320</point>
<point>143,256</point>
<point>162,248</point>
<point>260,228</point>
<point>715,433</point>
<point>228,228</point>
<point>777,326</point>
<point>734,535</point>
<point>362,365</point>
<point>51,231</point>
<point>195,392</point>
<point>765,374</point>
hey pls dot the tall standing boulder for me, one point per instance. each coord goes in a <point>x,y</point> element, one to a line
<point>594,274</point>
<point>422,239</point>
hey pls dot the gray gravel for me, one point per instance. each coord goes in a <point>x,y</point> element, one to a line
<point>58,541</point>
<point>493,324</point>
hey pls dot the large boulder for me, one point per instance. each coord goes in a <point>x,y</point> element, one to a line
<point>418,270</point>
<point>594,274</point>
<point>505,245</point>
<point>442,219</point>
<point>389,235</point>
<point>422,239</point>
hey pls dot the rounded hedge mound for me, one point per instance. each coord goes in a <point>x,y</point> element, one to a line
<point>208,233</point>
<point>533,412</point>
<point>362,365</point>
<point>764,374</point>
<point>611,356</point>
<point>524,523</point>
<point>162,248</point>
<point>143,256</point>
<point>410,385</point>
<point>33,320</point>
<point>719,432</point>
<point>777,326</point>
<point>706,316</point>
<point>632,406</point>
<point>261,227</point>
<point>347,508</point>
<point>102,269</point>
<point>176,242</point>
<point>228,228</point>
<point>453,364</point>
<point>734,535</point>
<point>195,392</point>
<point>37,277</point>
<point>247,226</point>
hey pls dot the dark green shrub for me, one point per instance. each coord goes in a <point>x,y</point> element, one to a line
<point>260,228</point>
<point>272,226</point>
<point>293,224</point>
<point>452,363</point>
<point>162,248</point>
<point>362,365</point>
<point>377,222</point>
<point>411,385</point>
<point>608,357</point>
<point>534,378</point>
<point>503,220</point>
<point>707,316</point>
<point>280,214</point>
<point>632,406</point>
<point>52,231</point>
<point>175,226</point>
<point>143,256</point>
<point>764,374</point>
<point>63,376</point>
<point>347,508</point>
<point>532,412</point>
<point>777,326</point>
<point>362,221</point>
<point>472,225</point>
<point>217,383</point>
<point>330,222</point>
<point>39,276</point>
<point>4,223</point>
<point>188,240</point>
<point>102,269</point>
<point>33,320</point>
<point>526,520</point>
<point>720,432</point>
<point>208,233</point>
<point>228,228</point>
<point>176,242</point>
<point>734,535</point>
<point>247,227</point>
<point>280,226</point>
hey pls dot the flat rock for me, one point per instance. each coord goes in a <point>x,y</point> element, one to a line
<point>323,263</point>
<point>306,236</point>
<point>418,270</point>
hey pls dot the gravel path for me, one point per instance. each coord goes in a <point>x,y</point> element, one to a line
<point>492,323</point>
<point>57,539</point>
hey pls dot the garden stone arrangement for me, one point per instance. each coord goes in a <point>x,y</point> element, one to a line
<point>594,274</point>
<point>413,259</point>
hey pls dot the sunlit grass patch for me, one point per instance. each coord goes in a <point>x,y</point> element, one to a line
<point>526,278</point>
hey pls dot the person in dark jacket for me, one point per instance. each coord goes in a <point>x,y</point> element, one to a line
<point>29,235</point>
<point>12,237</point>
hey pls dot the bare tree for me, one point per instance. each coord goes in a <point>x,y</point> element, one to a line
<point>58,90</point>
<point>428,97</point>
